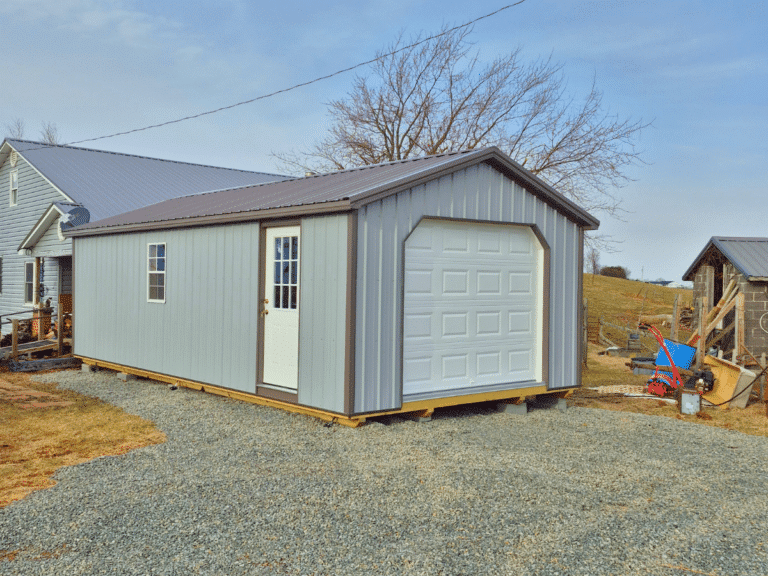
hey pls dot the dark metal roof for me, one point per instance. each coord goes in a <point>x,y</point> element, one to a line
<point>748,255</point>
<point>110,183</point>
<point>337,191</point>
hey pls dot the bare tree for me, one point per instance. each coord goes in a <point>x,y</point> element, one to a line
<point>15,129</point>
<point>49,133</point>
<point>436,96</point>
<point>593,260</point>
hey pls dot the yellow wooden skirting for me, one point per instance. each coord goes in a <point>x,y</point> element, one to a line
<point>351,421</point>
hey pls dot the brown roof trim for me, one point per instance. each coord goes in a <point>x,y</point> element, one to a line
<point>231,218</point>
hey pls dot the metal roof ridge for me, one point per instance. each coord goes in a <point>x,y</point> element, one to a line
<point>328,174</point>
<point>82,149</point>
<point>740,238</point>
<point>391,163</point>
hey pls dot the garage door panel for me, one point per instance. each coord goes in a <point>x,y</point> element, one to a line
<point>485,323</point>
<point>477,323</point>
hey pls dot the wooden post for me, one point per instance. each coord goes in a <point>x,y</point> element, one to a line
<point>15,339</point>
<point>60,334</point>
<point>585,330</point>
<point>739,332</point>
<point>702,332</point>
<point>764,380</point>
<point>36,301</point>
<point>675,319</point>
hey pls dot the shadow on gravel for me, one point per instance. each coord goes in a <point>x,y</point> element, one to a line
<point>546,402</point>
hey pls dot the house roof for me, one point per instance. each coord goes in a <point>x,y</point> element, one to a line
<point>748,255</point>
<point>110,183</point>
<point>334,192</point>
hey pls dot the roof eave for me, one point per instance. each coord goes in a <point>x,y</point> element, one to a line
<point>217,219</point>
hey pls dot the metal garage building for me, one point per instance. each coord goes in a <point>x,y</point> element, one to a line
<point>403,286</point>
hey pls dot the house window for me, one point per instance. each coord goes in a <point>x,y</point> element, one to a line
<point>29,283</point>
<point>14,187</point>
<point>156,272</point>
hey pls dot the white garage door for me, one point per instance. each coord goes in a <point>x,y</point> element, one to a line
<point>473,306</point>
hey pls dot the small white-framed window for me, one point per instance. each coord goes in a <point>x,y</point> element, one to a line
<point>14,187</point>
<point>29,283</point>
<point>156,272</point>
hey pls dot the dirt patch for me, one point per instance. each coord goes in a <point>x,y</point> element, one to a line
<point>611,373</point>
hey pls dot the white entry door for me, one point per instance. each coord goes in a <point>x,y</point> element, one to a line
<point>281,307</point>
<point>472,308</point>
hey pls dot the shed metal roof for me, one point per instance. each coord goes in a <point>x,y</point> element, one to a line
<point>748,255</point>
<point>334,192</point>
<point>110,183</point>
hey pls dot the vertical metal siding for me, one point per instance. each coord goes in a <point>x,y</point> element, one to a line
<point>477,193</point>
<point>322,309</point>
<point>205,330</point>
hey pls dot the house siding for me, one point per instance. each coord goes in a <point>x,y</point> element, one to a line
<point>476,193</point>
<point>206,329</point>
<point>49,243</point>
<point>35,195</point>
<point>322,320</point>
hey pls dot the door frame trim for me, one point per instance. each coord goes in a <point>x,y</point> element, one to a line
<point>545,288</point>
<point>260,387</point>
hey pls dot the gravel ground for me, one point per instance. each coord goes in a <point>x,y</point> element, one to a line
<point>243,489</point>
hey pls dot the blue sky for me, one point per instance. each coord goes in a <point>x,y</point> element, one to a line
<point>698,70</point>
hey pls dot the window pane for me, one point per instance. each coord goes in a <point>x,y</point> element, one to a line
<point>161,263</point>
<point>286,270</point>
<point>152,250</point>
<point>286,248</point>
<point>294,289</point>
<point>153,264</point>
<point>30,272</point>
<point>277,248</point>
<point>161,293</point>
<point>29,297</point>
<point>285,297</point>
<point>295,247</point>
<point>277,296</point>
<point>152,293</point>
<point>277,272</point>
<point>294,268</point>
<point>160,280</point>
<point>161,250</point>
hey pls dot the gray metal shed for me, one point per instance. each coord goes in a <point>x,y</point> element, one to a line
<point>404,286</point>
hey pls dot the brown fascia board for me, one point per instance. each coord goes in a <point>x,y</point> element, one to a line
<point>496,158</point>
<point>217,219</point>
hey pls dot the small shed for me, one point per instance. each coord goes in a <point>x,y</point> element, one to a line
<point>404,286</point>
<point>745,259</point>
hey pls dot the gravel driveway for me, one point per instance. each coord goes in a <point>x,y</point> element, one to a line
<point>243,489</point>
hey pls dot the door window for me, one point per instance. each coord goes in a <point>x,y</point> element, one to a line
<point>286,280</point>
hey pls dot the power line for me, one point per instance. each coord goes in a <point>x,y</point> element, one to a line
<point>302,84</point>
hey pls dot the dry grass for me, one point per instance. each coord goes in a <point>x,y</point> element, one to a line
<point>622,302</point>
<point>36,442</point>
